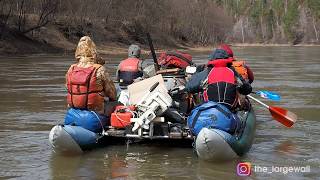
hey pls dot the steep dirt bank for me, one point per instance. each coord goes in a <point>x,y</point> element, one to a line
<point>52,40</point>
<point>55,26</point>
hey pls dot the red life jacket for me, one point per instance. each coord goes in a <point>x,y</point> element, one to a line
<point>175,59</point>
<point>129,70</point>
<point>220,62</point>
<point>221,83</point>
<point>83,92</point>
<point>129,64</point>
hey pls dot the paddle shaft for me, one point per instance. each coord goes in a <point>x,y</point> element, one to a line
<point>154,56</point>
<point>258,101</point>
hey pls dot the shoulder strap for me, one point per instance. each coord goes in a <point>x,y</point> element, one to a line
<point>93,73</point>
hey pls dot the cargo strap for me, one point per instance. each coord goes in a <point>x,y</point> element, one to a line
<point>227,114</point>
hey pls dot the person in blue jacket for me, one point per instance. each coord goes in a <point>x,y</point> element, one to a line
<point>218,82</point>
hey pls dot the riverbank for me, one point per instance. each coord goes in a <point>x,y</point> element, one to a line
<point>21,45</point>
<point>272,45</point>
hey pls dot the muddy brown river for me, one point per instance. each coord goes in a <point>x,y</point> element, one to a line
<point>32,101</point>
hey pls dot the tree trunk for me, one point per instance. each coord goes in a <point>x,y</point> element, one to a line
<point>242,31</point>
<point>21,18</point>
<point>5,22</point>
<point>261,26</point>
<point>315,28</point>
<point>285,6</point>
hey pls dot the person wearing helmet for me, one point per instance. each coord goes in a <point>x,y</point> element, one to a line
<point>130,68</point>
<point>243,72</point>
<point>218,81</point>
<point>239,65</point>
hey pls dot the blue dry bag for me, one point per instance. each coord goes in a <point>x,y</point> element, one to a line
<point>212,115</point>
<point>87,119</point>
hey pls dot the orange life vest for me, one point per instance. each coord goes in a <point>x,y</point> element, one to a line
<point>241,69</point>
<point>128,71</point>
<point>83,92</point>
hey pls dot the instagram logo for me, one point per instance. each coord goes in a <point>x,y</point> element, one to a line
<point>244,169</point>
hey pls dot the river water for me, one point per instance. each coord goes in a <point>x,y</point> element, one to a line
<point>32,97</point>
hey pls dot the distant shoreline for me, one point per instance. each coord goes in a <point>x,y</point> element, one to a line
<point>271,45</point>
<point>116,49</point>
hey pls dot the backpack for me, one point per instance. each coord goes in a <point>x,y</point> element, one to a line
<point>212,115</point>
<point>175,59</point>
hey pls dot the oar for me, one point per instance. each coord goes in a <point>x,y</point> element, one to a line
<point>283,116</point>
<point>154,56</point>
<point>268,95</point>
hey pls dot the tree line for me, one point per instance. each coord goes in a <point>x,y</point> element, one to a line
<point>195,21</point>
<point>275,20</point>
<point>202,22</point>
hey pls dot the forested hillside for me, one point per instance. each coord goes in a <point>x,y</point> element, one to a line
<point>58,24</point>
<point>274,21</point>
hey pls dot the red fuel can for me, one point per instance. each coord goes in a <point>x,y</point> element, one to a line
<point>121,117</point>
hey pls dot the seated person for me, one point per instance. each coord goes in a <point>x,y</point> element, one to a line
<point>130,68</point>
<point>218,82</point>
<point>88,83</point>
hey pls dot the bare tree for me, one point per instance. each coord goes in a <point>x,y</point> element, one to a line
<point>5,13</point>
<point>47,11</point>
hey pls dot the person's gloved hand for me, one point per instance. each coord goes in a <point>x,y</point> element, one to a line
<point>200,67</point>
<point>245,89</point>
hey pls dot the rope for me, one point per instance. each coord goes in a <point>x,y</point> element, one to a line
<point>103,130</point>
<point>134,114</point>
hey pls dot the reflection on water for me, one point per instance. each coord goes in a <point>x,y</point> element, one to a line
<point>33,100</point>
<point>138,163</point>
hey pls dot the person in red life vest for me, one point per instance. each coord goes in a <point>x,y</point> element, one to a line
<point>239,65</point>
<point>130,68</point>
<point>218,82</point>
<point>88,83</point>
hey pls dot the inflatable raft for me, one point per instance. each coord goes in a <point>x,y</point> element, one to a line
<point>214,144</point>
<point>68,139</point>
<point>83,130</point>
<point>210,144</point>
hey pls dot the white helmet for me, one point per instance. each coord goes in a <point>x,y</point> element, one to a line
<point>134,51</point>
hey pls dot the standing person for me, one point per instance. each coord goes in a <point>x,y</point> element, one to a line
<point>239,65</point>
<point>88,83</point>
<point>130,68</point>
<point>218,81</point>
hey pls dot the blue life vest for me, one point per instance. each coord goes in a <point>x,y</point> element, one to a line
<point>87,119</point>
<point>212,115</point>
